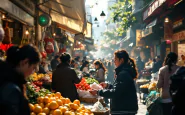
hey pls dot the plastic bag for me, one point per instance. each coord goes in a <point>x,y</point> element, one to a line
<point>98,107</point>
<point>96,86</point>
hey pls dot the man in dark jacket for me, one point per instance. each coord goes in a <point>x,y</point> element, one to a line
<point>64,78</point>
<point>55,62</point>
<point>157,65</point>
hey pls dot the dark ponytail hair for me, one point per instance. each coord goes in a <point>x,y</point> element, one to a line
<point>170,59</point>
<point>84,65</point>
<point>127,60</point>
<point>101,65</point>
<point>15,55</point>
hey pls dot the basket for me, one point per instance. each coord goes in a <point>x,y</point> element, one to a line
<point>144,90</point>
<point>107,112</point>
<point>90,100</point>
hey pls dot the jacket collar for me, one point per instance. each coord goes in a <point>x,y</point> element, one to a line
<point>120,68</point>
<point>63,65</point>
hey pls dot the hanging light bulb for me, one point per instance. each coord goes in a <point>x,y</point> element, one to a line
<point>102,14</point>
<point>3,16</point>
<point>54,34</point>
<point>95,19</point>
<point>71,44</point>
<point>166,20</point>
<point>79,43</point>
<point>27,32</point>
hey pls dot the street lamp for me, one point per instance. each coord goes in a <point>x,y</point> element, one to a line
<point>95,19</point>
<point>166,20</point>
<point>27,32</point>
<point>102,14</point>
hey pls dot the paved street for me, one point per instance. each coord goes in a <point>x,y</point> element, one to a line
<point>142,109</point>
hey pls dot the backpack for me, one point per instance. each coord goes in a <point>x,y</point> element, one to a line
<point>177,87</point>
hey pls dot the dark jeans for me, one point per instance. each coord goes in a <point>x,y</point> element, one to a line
<point>167,108</point>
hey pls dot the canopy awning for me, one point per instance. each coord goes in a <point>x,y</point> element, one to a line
<point>68,13</point>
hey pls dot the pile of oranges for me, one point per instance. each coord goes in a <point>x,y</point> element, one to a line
<point>55,104</point>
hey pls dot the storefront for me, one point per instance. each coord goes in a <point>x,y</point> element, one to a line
<point>18,24</point>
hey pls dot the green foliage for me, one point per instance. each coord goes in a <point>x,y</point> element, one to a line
<point>122,15</point>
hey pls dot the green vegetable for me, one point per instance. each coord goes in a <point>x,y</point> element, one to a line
<point>91,80</point>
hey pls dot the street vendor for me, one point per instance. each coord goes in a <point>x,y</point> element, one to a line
<point>123,91</point>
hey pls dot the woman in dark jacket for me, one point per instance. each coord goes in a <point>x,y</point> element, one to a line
<point>20,63</point>
<point>123,92</point>
<point>64,78</point>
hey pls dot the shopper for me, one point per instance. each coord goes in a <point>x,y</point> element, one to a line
<point>55,62</point>
<point>165,72</point>
<point>157,65</point>
<point>123,91</point>
<point>64,78</point>
<point>110,77</point>
<point>20,63</point>
<point>85,69</point>
<point>100,71</point>
<point>181,62</point>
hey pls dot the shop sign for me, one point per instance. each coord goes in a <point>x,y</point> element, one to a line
<point>179,36</point>
<point>16,11</point>
<point>146,32</point>
<point>138,38</point>
<point>181,50</point>
<point>26,4</point>
<point>152,8</point>
<point>88,31</point>
<point>177,24</point>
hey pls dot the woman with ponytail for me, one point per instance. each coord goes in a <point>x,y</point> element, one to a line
<point>100,71</point>
<point>20,63</point>
<point>123,91</point>
<point>168,69</point>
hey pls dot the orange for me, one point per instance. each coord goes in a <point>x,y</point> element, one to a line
<point>59,102</point>
<point>67,101</point>
<point>36,105</point>
<point>42,105</point>
<point>38,109</point>
<point>46,110</point>
<point>63,109</point>
<point>41,114</point>
<point>57,112</point>
<point>31,106</point>
<point>32,113</point>
<point>46,100</point>
<point>53,105</point>
<point>67,113</point>
<point>72,113</point>
<point>76,102</point>
<point>63,100</point>
<point>58,94</point>
<point>40,99</point>
<point>49,95</point>
<point>53,99</point>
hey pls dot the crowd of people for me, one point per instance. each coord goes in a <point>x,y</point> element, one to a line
<point>117,77</point>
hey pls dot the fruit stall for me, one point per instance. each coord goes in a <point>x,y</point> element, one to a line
<point>43,101</point>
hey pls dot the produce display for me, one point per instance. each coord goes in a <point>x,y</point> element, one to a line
<point>150,86</point>
<point>142,80</point>
<point>34,91</point>
<point>91,80</point>
<point>83,85</point>
<point>55,104</point>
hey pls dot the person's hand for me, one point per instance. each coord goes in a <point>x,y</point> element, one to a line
<point>93,92</point>
<point>103,84</point>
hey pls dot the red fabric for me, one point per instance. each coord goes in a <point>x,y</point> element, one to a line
<point>62,50</point>
<point>49,45</point>
<point>44,54</point>
<point>5,47</point>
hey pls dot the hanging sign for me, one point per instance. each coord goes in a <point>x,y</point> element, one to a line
<point>138,38</point>
<point>179,36</point>
<point>152,8</point>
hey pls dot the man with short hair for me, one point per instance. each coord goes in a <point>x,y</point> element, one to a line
<point>55,62</point>
<point>157,65</point>
<point>182,61</point>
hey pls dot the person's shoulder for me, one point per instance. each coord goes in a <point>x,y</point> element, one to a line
<point>10,88</point>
